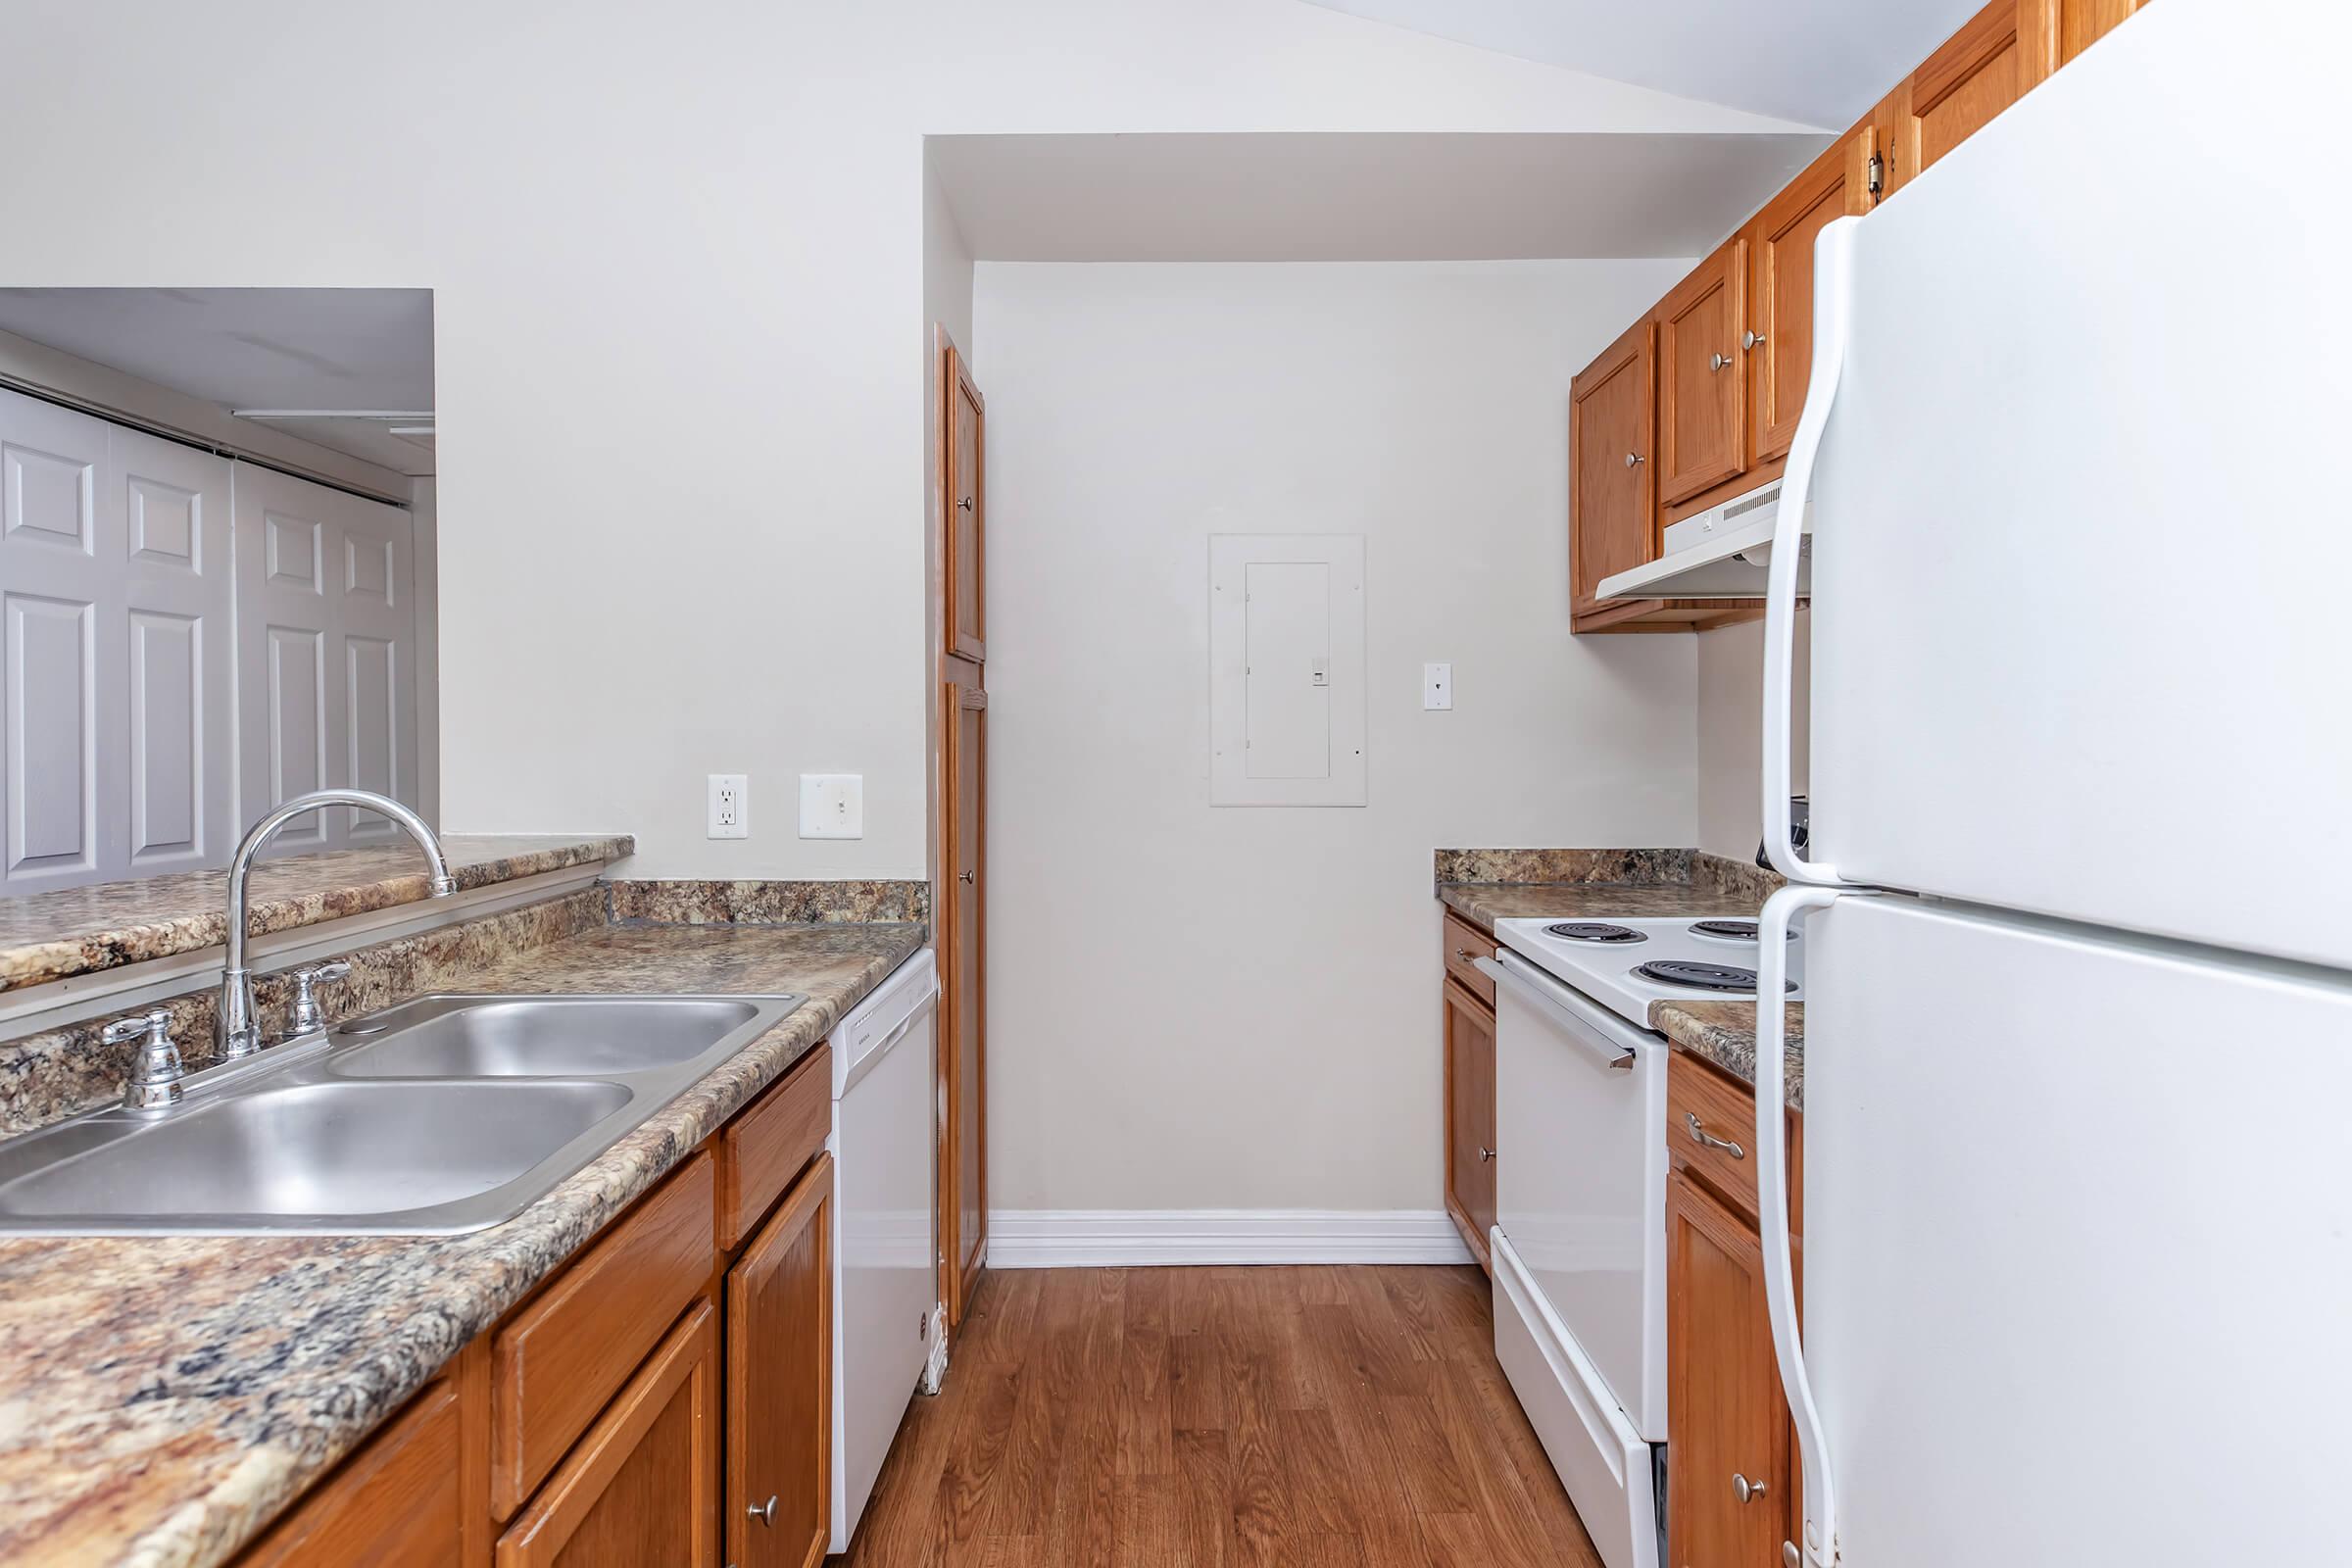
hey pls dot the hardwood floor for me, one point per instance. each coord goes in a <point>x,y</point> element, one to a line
<point>1195,1417</point>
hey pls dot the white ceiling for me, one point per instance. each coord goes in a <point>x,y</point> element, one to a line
<point>1816,61</point>
<point>1313,196</point>
<point>258,348</point>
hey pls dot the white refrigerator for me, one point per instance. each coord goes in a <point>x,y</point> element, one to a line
<point>2075,1273</point>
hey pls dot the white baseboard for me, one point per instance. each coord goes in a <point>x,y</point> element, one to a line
<point>1109,1238</point>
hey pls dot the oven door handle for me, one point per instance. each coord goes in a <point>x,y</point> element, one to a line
<point>1591,1030</point>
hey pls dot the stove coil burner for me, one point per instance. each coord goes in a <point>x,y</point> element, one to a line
<point>1593,931</point>
<point>1701,976</point>
<point>1730,930</point>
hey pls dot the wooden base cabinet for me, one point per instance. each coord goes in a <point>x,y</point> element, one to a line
<point>1732,1482</point>
<point>642,1486</point>
<point>588,1427</point>
<point>780,1384</point>
<point>1470,1118</point>
<point>1729,1486</point>
<point>396,1503</point>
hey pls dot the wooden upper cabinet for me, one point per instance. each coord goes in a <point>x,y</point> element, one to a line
<point>2003,51</point>
<point>1730,1501</point>
<point>963,493</point>
<point>1779,339</point>
<point>1612,510</point>
<point>1703,376</point>
<point>2083,22</point>
<point>780,1383</point>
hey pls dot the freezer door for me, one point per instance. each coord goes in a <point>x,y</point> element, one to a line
<point>2080,542</point>
<point>2077,1245</point>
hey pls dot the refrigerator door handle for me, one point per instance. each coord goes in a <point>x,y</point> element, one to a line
<point>1832,257</point>
<point>1819,1526</point>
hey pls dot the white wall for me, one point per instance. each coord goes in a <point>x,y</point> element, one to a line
<point>677,259</point>
<point>1731,684</point>
<point>1237,1007</point>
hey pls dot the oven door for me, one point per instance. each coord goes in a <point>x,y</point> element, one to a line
<point>1580,1155</point>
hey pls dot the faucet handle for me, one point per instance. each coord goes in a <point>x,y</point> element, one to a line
<point>307,1015</point>
<point>154,1079</point>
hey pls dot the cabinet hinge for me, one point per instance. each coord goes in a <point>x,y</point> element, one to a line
<point>1878,175</point>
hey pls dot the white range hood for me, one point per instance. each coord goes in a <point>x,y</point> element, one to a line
<point>1722,553</point>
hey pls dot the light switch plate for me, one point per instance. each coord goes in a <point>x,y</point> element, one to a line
<point>1436,686</point>
<point>730,807</point>
<point>832,806</point>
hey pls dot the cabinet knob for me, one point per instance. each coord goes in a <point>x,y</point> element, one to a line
<point>765,1513</point>
<point>963,503</point>
<point>1751,341</point>
<point>1484,1154</point>
<point>1719,362</point>
<point>964,877</point>
<point>1745,1489</point>
<point>1632,458</point>
<point>1791,1557</point>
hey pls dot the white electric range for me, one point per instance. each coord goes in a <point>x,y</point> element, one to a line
<point>1580,1235</point>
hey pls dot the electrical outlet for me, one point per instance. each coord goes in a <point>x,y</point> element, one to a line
<point>1436,686</point>
<point>730,805</point>
<point>832,806</point>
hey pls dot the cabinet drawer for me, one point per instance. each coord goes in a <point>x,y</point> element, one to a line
<point>557,1361</point>
<point>1702,1104</point>
<point>1463,942</point>
<point>394,1504</point>
<point>763,1148</point>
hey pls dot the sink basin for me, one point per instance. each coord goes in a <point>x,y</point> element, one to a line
<point>442,1115</point>
<point>538,1036</point>
<point>320,1150</point>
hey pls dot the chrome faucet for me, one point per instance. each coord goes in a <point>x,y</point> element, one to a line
<point>240,1033</point>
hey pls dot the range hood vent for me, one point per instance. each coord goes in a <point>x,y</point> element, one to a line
<point>1722,553</point>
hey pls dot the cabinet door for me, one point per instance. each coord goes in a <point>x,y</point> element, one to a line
<point>965,496</point>
<point>2083,22</point>
<point>964,1053</point>
<point>642,1486</point>
<point>1703,376</point>
<point>1779,340</point>
<point>1989,63</point>
<point>780,1384</point>
<point>1470,1117</point>
<point>1727,1499</point>
<point>396,1503</point>
<point>1612,512</point>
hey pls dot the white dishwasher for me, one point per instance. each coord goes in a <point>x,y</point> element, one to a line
<point>886,1318</point>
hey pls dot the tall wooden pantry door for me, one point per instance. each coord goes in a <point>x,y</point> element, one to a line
<point>961,903</point>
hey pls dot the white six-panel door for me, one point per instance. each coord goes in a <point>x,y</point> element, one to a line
<point>115,664</point>
<point>130,615</point>
<point>327,651</point>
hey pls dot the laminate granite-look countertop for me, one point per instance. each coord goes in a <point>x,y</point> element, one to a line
<point>1628,885</point>
<point>1482,904</point>
<point>53,936</point>
<point>1725,1034</point>
<point>166,1398</point>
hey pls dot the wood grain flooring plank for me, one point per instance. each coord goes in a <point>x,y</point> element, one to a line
<point>1281,1417</point>
<point>1204,1499</point>
<point>1147,1522</point>
<point>1323,1499</point>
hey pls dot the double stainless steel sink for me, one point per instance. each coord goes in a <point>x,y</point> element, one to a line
<point>445,1115</point>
